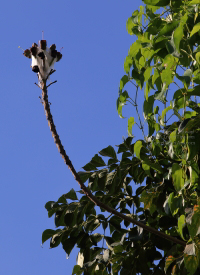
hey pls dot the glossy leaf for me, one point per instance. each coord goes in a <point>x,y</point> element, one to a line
<point>193,2</point>
<point>194,228</point>
<point>71,195</point>
<point>178,33</point>
<point>131,122</point>
<point>137,148</point>
<point>123,81</point>
<point>195,29</point>
<point>77,270</point>
<point>169,27</point>
<point>177,176</point>
<point>181,224</point>
<point>98,161</point>
<point>158,3</point>
<point>148,106</point>
<point>108,152</point>
<point>48,233</point>
<point>175,203</point>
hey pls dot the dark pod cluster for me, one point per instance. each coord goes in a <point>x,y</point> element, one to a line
<point>43,58</point>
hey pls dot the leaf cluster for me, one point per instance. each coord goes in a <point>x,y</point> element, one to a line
<point>154,180</point>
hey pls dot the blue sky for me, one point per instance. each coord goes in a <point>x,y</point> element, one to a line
<point>95,42</point>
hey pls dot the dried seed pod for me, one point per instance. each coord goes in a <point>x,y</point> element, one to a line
<point>35,69</point>
<point>53,53</point>
<point>59,56</point>
<point>53,47</point>
<point>34,50</point>
<point>43,44</point>
<point>27,53</point>
<point>41,55</point>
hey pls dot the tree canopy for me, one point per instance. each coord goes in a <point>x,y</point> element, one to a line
<point>150,186</point>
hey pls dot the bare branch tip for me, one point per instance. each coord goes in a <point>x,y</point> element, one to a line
<point>52,83</point>
<point>37,85</point>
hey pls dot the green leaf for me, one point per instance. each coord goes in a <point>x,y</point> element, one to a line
<point>160,95</point>
<point>167,77</point>
<point>164,113</point>
<point>77,270</point>
<point>97,161</point>
<point>71,195</point>
<point>131,122</point>
<point>139,78</point>
<point>134,49</point>
<point>147,169</point>
<point>108,152</point>
<point>194,228</point>
<point>193,2</point>
<point>127,64</point>
<point>121,102</point>
<point>137,148</point>
<point>159,3</point>
<point>177,176</point>
<point>153,165</point>
<point>48,233</point>
<point>172,48</point>
<point>147,199</point>
<point>191,263</point>
<point>169,27</point>
<point>178,35</point>
<point>123,81</point>
<point>186,78</point>
<point>148,106</point>
<point>89,167</point>
<point>195,29</point>
<point>175,203</point>
<point>84,175</point>
<point>181,224</point>
<point>168,262</point>
<point>69,244</point>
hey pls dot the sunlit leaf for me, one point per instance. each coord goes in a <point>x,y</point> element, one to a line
<point>193,2</point>
<point>137,148</point>
<point>131,122</point>
<point>123,81</point>
<point>181,224</point>
<point>169,27</point>
<point>195,29</point>
<point>177,176</point>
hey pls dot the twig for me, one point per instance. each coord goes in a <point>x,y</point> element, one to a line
<point>85,190</point>
<point>133,83</point>
<point>37,85</point>
<point>136,106</point>
<point>51,83</point>
<point>51,72</point>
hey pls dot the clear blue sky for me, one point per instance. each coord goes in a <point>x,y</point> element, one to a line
<point>95,42</point>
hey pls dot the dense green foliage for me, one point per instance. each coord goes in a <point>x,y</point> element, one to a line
<point>154,180</point>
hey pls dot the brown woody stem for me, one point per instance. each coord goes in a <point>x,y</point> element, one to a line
<point>78,179</point>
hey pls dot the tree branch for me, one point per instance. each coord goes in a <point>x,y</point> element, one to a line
<point>78,179</point>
